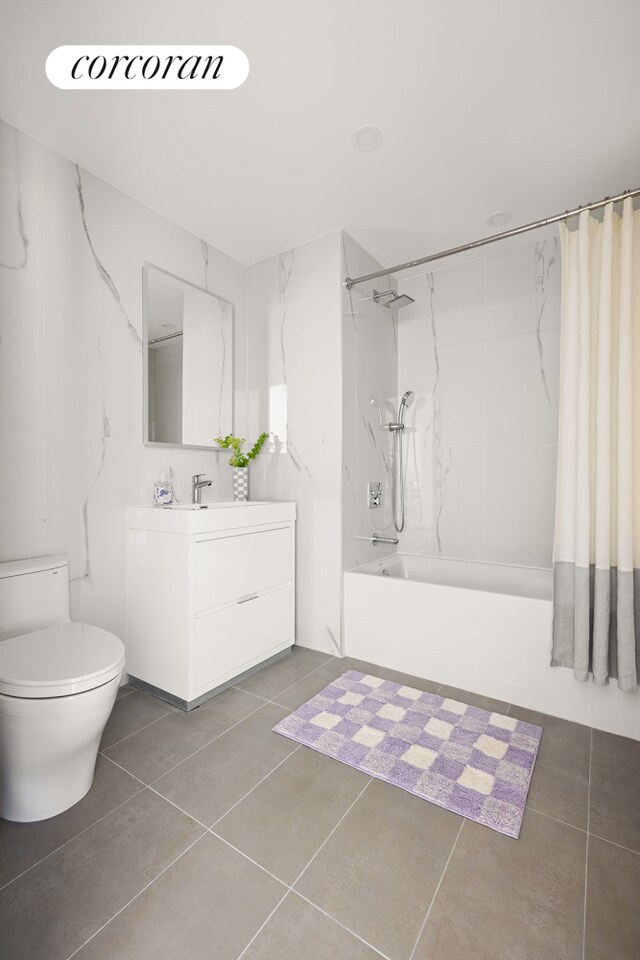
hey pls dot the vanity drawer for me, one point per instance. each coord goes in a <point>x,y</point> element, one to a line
<point>229,568</point>
<point>231,640</point>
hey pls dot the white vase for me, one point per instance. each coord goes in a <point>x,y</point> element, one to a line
<point>241,483</point>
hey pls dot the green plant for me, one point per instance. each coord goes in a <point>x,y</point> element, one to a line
<point>238,458</point>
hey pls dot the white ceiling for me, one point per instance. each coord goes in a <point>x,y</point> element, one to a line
<point>485,105</point>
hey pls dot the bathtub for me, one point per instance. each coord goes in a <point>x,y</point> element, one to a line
<point>478,626</point>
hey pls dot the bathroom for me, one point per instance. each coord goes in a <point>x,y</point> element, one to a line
<point>205,826</point>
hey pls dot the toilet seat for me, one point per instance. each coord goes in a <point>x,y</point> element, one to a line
<point>59,661</point>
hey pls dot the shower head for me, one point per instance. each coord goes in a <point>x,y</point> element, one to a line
<point>407,397</point>
<point>391,299</point>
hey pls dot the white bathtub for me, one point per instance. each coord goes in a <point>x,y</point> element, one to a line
<point>481,627</point>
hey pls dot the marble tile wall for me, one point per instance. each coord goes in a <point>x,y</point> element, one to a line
<point>295,393</point>
<point>480,348</point>
<point>370,389</point>
<point>71,255</point>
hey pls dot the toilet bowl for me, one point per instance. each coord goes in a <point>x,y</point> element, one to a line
<point>58,684</point>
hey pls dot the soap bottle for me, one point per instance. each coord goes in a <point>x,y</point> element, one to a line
<point>163,490</point>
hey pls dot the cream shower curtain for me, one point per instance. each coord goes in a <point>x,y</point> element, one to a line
<point>596,555</point>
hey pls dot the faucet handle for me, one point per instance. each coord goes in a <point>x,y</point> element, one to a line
<point>197,477</point>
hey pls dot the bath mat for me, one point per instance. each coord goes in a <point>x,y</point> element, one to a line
<point>471,761</point>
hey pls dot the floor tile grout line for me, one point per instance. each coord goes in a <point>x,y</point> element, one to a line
<point>146,886</point>
<point>589,833</point>
<point>246,856</point>
<point>299,680</point>
<point>121,696</point>
<point>140,729</point>
<point>75,836</point>
<point>296,893</point>
<point>207,744</point>
<point>328,837</point>
<point>290,887</point>
<point>436,891</point>
<point>620,846</point>
<point>255,786</point>
<point>586,852</point>
<point>263,925</point>
<point>180,809</point>
<point>251,693</point>
<point>549,816</point>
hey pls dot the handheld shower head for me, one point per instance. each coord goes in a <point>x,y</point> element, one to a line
<point>407,397</point>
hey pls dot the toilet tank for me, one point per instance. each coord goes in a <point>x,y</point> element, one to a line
<point>33,594</point>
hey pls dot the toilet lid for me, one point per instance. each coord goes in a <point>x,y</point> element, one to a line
<point>58,661</point>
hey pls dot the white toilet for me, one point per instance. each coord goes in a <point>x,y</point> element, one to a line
<point>58,684</point>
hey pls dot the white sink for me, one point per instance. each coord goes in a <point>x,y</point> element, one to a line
<point>190,518</point>
<point>216,505</point>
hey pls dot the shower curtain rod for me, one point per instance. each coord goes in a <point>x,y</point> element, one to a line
<point>350,282</point>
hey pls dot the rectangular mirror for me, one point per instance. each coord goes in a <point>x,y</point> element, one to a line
<point>188,362</point>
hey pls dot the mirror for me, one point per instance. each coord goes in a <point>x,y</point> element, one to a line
<point>188,362</point>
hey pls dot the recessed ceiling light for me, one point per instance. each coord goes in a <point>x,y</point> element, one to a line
<point>500,218</point>
<point>365,139</point>
<point>169,326</point>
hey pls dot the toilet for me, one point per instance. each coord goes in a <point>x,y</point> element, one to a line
<point>58,684</point>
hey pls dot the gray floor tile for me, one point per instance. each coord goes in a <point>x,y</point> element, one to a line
<point>286,819</point>
<point>124,691</point>
<point>153,751</point>
<point>518,899</point>
<point>208,904</point>
<point>473,699</point>
<point>273,679</point>
<point>51,910</point>
<point>130,714</point>
<point>23,844</point>
<point>615,789</point>
<point>380,869</point>
<point>298,930</point>
<point>309,686</point>
<point>207,785</point>
<point>560,784</point>
<point>613,914</point>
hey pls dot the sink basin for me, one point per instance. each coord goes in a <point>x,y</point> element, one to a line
<point>216,505</point>
<point>194,518</point>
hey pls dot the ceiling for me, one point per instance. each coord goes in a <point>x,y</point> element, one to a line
<point>523,105</point>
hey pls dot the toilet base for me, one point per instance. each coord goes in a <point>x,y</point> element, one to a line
<point>48,751</point>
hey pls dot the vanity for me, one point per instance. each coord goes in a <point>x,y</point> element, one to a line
<point>209,594</point>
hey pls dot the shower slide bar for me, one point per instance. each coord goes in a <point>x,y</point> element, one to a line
<point>350,282</point>
<point>374,538</point>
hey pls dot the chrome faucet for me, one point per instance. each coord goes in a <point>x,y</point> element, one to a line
<point>197,483</point>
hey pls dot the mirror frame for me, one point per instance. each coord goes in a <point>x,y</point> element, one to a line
<point>145,358</point>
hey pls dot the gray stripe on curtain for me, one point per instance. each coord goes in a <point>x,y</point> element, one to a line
<point>593,610</point>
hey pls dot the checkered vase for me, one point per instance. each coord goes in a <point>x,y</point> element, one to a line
<point>241,483</point>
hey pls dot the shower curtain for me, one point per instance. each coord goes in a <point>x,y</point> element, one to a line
<point>596,554</point>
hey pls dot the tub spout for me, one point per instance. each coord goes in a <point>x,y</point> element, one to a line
<point>374,538</point>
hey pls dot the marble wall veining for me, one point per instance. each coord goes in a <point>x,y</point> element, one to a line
<point>296,394</point>
<point>71,254</point>
<point>480,348</point>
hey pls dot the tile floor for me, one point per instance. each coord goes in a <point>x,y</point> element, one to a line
<point>206,835</point>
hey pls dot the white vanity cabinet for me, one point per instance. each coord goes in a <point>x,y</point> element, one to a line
<point>210,594</point>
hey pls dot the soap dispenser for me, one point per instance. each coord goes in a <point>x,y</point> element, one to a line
<point>163,490</point>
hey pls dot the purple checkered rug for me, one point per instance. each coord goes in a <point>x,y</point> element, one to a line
<point>467,760</point>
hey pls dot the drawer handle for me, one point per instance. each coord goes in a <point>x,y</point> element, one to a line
<point>250,596</point>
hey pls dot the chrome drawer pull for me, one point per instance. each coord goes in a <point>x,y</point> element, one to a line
<point>250,596</point>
